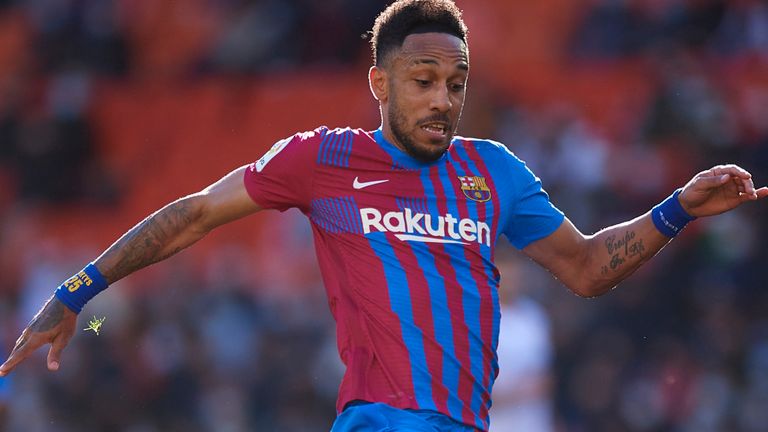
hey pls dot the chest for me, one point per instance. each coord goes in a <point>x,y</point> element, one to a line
<point>442,203</point>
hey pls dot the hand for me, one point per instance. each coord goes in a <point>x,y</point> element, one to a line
<point>54,324</point>
<point>718,190</point>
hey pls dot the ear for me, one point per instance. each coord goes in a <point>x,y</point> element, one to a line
<point>377,81</point>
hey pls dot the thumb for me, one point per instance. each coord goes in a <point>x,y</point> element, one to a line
<point>54,354</point>
<point>712,182</point>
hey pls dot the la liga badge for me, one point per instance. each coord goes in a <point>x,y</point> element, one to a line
<point>475,188</point>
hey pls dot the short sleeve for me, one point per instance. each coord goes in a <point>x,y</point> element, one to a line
<point>533,216</point>
<point>282,178</point>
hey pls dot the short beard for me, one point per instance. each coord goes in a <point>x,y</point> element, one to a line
<point>396,124</point>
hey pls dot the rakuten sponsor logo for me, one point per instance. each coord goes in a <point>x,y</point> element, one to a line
<point>420,227</point>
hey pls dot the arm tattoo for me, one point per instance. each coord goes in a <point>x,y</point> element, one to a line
<point>621,249</point>
<point>145,243</point>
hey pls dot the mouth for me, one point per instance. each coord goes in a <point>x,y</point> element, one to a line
<point>436,129</point>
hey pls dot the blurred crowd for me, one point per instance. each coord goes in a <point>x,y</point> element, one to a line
<point>53,53</point>
<point>239,338</point>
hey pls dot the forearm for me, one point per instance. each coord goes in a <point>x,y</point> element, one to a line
<point>162,234</point>
<point>616,252</point>
<point>159,236</point>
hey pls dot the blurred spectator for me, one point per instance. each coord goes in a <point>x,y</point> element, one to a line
<point>260,36</point>
<point>559,146</point>
<point>78,34</point>
<point>53,137</point>
<point>338,28</point>
<point>607,30</point>
<point>42,137</point>
<point>522,393</point>
<point>744,29</point>
<point>688,108</point>
<point>620,28</point>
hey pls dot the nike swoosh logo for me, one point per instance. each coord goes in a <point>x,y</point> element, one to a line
<point>362,185</point>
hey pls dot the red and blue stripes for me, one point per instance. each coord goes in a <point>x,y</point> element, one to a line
<point>416,298</point>
<point>336,147</point>
<point>442,296</point>
<point>468,310</point>
<point>444,330</point>
<point>488,314</point>
<point>399,290</point>
<point>336,215</point>
<point>447,306</point>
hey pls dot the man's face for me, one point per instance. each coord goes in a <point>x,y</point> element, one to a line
<point>425,90</point>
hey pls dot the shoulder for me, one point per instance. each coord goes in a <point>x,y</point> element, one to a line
<point>323,135</point>
<point>334,136</point>
<point>344,130</point>
<point>487,150</point>
<point>316,134</point>
<point>297,148</point>
<point>325,131</point>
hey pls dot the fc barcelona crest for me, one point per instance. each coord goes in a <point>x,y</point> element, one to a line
<point>475,188</point>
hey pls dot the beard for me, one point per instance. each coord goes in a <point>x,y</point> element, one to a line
<point>423,153</point>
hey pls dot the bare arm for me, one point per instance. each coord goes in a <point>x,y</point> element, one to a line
<point>592,265</point>
<point>162,234</point>
<point>177,226</point>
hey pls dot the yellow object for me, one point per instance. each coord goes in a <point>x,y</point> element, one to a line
<point>95,324</point>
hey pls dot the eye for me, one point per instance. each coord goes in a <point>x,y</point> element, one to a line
<point>456,87</point>
<point>422,83</point>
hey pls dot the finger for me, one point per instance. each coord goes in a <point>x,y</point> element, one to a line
<point>745,192</point>
<point>19,353</point>
<point>6,367</point>
<point>22,338</point>
<point>746,186</point>
<point>54,354</point>
<point>755,195</point>
<point>747,197</point>
<point>712,182</point>
<point>733,170</point>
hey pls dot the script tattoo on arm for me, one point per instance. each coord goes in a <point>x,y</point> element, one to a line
<point>149,241</point>
<point>623,249</point>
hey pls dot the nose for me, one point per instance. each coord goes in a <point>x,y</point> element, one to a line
<point>441,101</point>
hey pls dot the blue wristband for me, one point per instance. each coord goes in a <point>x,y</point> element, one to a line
<point>76,291</point>
<point>669,216</point>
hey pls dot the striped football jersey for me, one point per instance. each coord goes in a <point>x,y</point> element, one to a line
<point>406,252</point>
